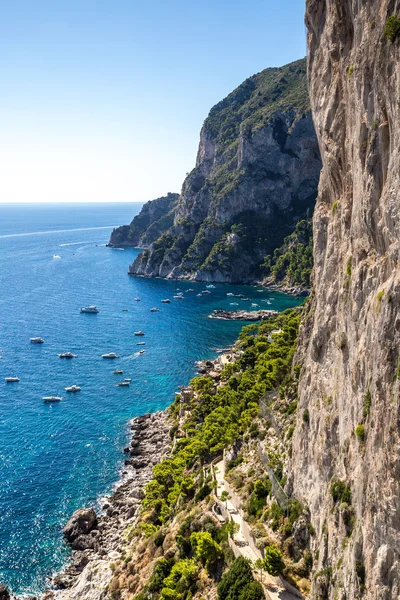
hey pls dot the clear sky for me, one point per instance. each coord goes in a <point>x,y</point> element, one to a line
<point>103,100</point>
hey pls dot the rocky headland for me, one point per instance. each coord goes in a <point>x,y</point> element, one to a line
<point>256,177</point>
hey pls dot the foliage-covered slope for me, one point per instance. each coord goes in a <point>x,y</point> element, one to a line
<point>154,218</point>
<point>179,550</point>
<point>256,175</point>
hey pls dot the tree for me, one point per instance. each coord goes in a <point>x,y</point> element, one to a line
<point>235,580</point>
<point>252,591</point>
<point>273,561</point>
<point>206,549</point>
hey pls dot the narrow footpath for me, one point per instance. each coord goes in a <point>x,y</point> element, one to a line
<point>243,541</point>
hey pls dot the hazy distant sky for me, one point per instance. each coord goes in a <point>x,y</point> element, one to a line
<point>103,100</point>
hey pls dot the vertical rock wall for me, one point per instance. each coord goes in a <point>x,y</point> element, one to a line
<point>348,421</point>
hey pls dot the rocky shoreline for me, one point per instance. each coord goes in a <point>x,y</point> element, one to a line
<point>98,539</point>
<point>243,315</point>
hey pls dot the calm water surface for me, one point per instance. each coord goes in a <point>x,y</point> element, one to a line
<point>56,458</point>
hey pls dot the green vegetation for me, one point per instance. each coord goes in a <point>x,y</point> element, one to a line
<point>380,295</point>
<point>217,419</point>
<point>392,28</point>
<point>348,268</point>
<point>206,550</point>
<point>367,404</point>
<point>256,100</point>
<point>239,584</point>
<point>350,70</point>
<point>273,561</point>
<point>340,492</point>
<point>335,206</point>
<point>293,261</point>
<point>360,433</point>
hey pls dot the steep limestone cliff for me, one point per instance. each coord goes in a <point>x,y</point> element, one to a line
<point>155,217</point>
<point>346,460</point>
<point>256,175</point>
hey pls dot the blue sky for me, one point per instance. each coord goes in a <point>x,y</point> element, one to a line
<point>104,100</point>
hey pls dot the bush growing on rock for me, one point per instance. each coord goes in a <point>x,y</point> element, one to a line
<point>273,561</point>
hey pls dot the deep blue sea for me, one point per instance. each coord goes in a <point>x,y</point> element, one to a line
<point>56,458</point>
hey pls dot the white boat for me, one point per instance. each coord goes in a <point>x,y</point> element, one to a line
<point>137,299</point>
<point>138,333</point>
<point>56,256</point>
<point>141,351</point>
<point>199,295</point>
<point>179,297</point>
<point>12,379</point>
<point>49,399</point>
<point>140,343</point>
<point>118,372</point>
<point>123,383</point>
<point>109,355</point>
<point>154,310</point>
<point>190,290</point>
<point>36,340</point>
<point>166,301</point>
<point>230,294</point>
<point>254,304</point>
<point>206,292</point>
<point>90,309</point>
<point>128,379</point>
<point>210,286</point>
<point>124,310</point>
<point>234,303</point>
<point>67,355</point>
<point>73,388</point>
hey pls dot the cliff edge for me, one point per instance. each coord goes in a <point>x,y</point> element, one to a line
<point>345,463</point>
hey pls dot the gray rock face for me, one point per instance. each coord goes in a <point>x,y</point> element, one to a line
<point>80,524</point>
<point>4,594</point>
<point>256,175</point>
<point>349,341</point>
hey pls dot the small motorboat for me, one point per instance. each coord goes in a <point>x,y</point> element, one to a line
<point>154,310</point>
<point>206,292</point>
<point>253,304</point>
<point>123,383</point>
<point>190,290</point>
<point>36,340</point>
<point>118,372</point>
<point>179,297</point>
<point>73,388</point>
<point>128,379</point>
<point>141,351</point>
<point>230,294</point>
<point>166,301</point>
<point>12,379</point>
<point>245,299</point>
<point>138,333</point>
<point>200,295</point>
<point>124,310</point>
<point>110,355</point>
<point>91,310</point>
<point>137,299</point>
<point>210,286</point>
<point>49,399</point>
<point>140,343</point>
<point>56,256</point>
<point>234,304</point>
<point>67,355</point>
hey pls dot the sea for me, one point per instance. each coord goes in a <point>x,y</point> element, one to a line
<point>55,458</point>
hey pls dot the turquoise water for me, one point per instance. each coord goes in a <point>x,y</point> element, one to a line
<point>56,458</point>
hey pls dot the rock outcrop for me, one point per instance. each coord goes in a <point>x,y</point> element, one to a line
<point>346,448</point>
<point>256,176</point>
<point>153,220</point>
<point>81,523</point>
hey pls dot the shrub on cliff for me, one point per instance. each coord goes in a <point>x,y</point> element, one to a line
<point>392,28</point>
<point>237,581</point>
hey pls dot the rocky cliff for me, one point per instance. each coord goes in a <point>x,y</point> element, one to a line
<point>256,175</point>
<point>153,220</point>
<point>346,461</point>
